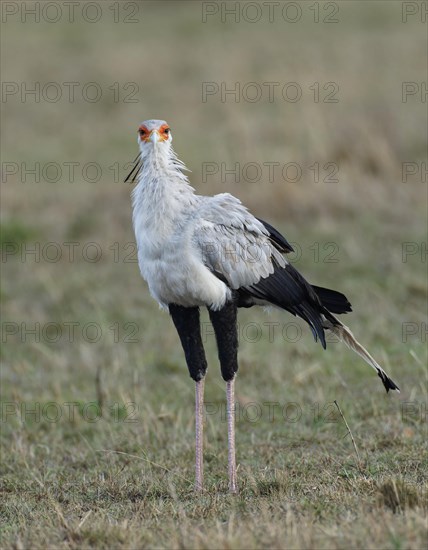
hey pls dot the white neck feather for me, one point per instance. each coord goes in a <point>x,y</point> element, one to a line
<point>163,194</point>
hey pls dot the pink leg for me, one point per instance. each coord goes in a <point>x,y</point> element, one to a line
<point>199,425</point>
<point>230,393</point>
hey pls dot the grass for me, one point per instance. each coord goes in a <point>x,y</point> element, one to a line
<point>97,406</point>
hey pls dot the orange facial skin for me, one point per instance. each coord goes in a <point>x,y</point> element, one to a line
<point>145,133</point>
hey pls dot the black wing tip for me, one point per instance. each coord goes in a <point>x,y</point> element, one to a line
<point>281,242</point>
<point>317,332</point>
<point>388,383</point>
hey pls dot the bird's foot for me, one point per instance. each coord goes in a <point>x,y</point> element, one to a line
<point>233,489</point>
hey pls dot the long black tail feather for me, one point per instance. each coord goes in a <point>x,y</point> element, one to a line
<point>346,336</point>
<point>287,289</point>
<point>334,301</point>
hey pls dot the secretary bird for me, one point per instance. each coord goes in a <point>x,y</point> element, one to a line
<point>198,251</point>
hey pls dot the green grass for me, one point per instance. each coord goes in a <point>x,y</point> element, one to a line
<point>97,436</point>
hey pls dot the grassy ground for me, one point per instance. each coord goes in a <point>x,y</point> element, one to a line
<point>97,406</point>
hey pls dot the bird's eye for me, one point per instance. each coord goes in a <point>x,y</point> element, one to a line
<point>141,132</point>
<point>166,131</point>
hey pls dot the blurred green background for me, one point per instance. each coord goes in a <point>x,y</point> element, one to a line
<point>152,60</point>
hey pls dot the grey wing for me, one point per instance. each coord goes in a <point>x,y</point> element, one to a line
<point>233,244</point>
<point>247,254</point>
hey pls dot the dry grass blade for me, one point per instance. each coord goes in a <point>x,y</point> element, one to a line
<point>359,463</point>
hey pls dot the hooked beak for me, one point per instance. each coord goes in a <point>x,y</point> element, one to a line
<point>154,136</point>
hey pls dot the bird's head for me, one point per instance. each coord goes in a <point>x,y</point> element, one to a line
<point>154,141</point>
<point>153,134</point>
